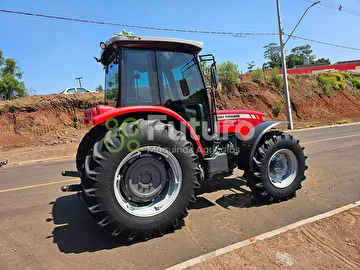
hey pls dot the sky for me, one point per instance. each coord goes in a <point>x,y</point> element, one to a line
<point>52,53</point>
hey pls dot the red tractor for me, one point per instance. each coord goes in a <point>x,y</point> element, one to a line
<point>160,136</point>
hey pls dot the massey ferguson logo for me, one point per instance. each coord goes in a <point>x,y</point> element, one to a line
<point>233,116</point>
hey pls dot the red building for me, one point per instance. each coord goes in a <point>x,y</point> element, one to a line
<point>308,69</point>
<point>339,66</point>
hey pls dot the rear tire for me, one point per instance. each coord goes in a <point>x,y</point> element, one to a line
<point>135,194</point>
<point>278,167</point>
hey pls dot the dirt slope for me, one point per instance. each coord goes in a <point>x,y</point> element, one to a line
<point>58,119</point>
<point>44,120</point>
<point>311,105</point>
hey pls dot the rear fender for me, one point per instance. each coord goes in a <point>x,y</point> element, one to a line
<point>101,114</point>
<point>248,147</point>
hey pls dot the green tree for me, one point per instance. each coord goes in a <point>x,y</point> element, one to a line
<point>272,53</point>
<point>10,75</point>
<point>322,61</point>
<point>228,73</point>
<point>1,58</point>
<point>99,88</point>
<point>300,55</point>
<point>251,66</point>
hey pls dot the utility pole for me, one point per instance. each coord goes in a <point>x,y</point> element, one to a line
<point>283,60</point>
<point>284,70</point>
<point>79,79</point>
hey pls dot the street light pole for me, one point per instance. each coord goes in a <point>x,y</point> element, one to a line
<point>79,79</point>
<point>284,71</point>
<point>283,60</point>
<point>292,32</point>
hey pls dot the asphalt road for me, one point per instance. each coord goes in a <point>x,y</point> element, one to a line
<point>43,228</point>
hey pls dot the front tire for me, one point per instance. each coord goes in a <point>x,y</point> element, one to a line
<point>278,167</point>
<point>136,187</point>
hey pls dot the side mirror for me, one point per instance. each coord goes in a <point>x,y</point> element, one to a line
<point>184,87</point>
<point>214,76</point>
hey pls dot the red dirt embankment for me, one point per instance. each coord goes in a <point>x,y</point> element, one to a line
<point>309,107</point>
<point>55,120</point>
<point>44,120</point>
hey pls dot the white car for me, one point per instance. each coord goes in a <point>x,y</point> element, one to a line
<point>74,90</point>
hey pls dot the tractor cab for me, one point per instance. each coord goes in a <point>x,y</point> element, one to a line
<point>149,71</point>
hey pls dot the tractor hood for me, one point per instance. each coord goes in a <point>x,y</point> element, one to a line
<point>228,120</point>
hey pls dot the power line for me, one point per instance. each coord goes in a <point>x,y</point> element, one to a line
<point>235,34</point>
<point>337,6</point>
<point>325,43</point>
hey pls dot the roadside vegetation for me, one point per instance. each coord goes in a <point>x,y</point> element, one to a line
<point>11,86</point>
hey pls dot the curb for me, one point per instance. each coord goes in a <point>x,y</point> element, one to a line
<point>263,236</point>
<point>328,126</point>
<point>41,160</point>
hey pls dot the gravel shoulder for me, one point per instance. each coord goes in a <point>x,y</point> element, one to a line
<point>330,243</point>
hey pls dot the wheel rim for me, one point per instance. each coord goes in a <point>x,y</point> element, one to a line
<point>147,181</point>
<point>282,168</point>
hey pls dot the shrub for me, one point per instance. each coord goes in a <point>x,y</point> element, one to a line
<point>257,75</point>
<point>355,82</point>
<point>228,73</point>
<point>347,76</point>
<point>1,111</point>
<point>278,107</point>
<point>276,79</point>
<point>330,82</point>
<point>310,94</point>
<point>339,79</point>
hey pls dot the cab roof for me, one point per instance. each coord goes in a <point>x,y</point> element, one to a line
<point>164,43</point>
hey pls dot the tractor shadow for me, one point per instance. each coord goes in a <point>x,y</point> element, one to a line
<point>75,231</point>
<point>238,196</point>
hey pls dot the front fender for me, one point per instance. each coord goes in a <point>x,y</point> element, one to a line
<point>248,147</point>
<point>102,113</point>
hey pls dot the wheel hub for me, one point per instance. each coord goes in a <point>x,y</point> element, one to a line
<point>282,168</point>
<point>279,167</point>
<point>147,181</point>
<point>144,179</point>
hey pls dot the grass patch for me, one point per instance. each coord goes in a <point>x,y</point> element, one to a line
<point>343,121</point>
